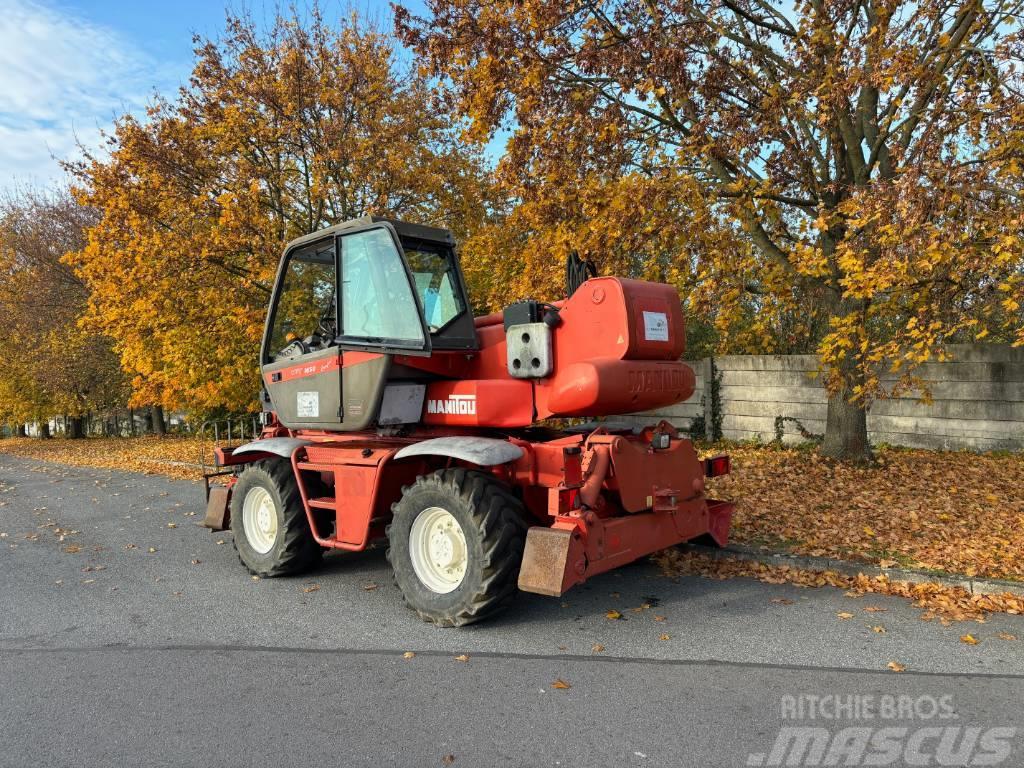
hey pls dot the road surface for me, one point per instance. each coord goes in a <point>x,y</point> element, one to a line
<point>131,636</point>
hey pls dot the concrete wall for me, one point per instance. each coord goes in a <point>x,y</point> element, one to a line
<point>978,400</point>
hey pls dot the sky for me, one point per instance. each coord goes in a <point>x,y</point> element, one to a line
<point>68,68</point>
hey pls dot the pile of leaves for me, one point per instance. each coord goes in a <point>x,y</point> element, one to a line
<point>941,602</point>
<point>172,456</point>
<point>952,512</point>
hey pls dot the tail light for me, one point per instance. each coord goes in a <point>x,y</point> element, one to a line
<point>717,466</point>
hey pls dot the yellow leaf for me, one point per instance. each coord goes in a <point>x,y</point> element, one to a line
<point>844,615</point>
<point>463,657</point>
<point>969,639</point>
<point>664,637</point>
<point>561,685</point>
<point>613,614</point>
<point>879,629</point>
<point>408,655</point>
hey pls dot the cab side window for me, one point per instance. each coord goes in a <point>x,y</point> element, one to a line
<point>432,273</point>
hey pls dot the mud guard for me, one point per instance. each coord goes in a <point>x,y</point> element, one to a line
<point>553,561</point>
<point>217,508</point>
<point>482,451</point>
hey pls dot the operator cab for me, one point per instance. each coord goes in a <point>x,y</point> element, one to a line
<point>345,300</point>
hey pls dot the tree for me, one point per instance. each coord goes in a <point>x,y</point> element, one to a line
<point>53,366</point>
<point>276,135</point>
<point>848,172</point>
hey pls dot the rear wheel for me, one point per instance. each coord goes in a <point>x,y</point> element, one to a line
<point>456,544</point>
<point>269,522</point>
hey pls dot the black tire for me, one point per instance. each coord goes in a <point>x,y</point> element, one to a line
<point>494,525</point>
<point>294,549</point>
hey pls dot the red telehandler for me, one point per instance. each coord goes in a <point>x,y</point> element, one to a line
<point>390,411</point>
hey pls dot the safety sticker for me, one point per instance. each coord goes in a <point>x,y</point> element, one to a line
<point>655,326</point>
<point>307,405</point>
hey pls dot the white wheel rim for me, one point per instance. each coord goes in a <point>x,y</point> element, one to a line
<point>259,519</point>
<point>437,548</point>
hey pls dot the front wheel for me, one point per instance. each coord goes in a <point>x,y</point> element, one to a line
<point>456,544</point>
<point>268,520</point>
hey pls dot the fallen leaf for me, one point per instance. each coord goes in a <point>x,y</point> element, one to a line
<point>463,657</point>
<point>311,588</point>
<point>369,587</point>
<point>196,562</point>
<point>172,525</point>
<point>664,637</point>
<point>613,614</point>
<point>1006,636</point>
<point>969,639</point>
<point>844,615</point>
<point>72,549</point>
<point>220,541</point>
<point>561,685</point>
<point>887,563</point>
<point>408,655</point>
<point>879,629</point>
<point>597,648</point>
<point>782,601</point>
<point>448,759</point>
<point>895,666</point>
<point>659,618</point>
<point>875,609</point>
<point>152,550</point>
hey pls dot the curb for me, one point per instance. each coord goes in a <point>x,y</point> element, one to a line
<point>850,568</point>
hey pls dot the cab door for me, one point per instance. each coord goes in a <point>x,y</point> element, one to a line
<point>301,360</point>
<point>380,316</point>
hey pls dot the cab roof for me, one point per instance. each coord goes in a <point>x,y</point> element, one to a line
<point>403,228</point>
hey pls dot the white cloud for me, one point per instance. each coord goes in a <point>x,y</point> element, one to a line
<point>62,79</point>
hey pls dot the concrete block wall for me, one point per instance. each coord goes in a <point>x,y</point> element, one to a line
<point>977,400</point>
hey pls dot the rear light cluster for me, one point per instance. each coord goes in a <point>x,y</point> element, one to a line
<point>716,466</point>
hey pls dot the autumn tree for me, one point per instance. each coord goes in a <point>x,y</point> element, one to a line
<point>278,134</point>
<point>845,172</point>
<point>53,366</point>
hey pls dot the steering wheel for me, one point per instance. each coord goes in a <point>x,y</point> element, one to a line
<point>326,327</point>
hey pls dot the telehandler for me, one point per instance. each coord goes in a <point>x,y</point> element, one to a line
<point>391,412</point>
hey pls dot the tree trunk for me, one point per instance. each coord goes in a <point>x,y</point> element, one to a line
<point>75,428</point>
<point>44,429</point>
<point>846,430</point>
<point>22,432</point>
<point>156,413</point>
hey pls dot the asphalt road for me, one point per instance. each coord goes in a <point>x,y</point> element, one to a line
<point>131,636</point>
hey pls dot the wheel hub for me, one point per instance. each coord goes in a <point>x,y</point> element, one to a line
<point>437,548</point>
<point>259,519</point>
